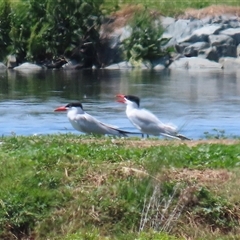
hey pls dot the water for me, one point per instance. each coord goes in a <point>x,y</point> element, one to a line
<point>198,102</point>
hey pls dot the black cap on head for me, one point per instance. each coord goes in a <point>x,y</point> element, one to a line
<point>74,104</point>
<point>133,99</point>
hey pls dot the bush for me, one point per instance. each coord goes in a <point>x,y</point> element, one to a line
<point>49,29</point>
<point>145,42</point>
<point>70,28</point>
<point>4,27</point>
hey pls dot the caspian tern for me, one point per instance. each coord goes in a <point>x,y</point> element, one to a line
<point>84,122</point>
<point>146,121</point>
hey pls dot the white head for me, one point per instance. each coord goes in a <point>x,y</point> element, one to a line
<point>130,100</point>
<point>75,106</point>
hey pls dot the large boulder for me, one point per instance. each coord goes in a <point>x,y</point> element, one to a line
<point>193,49</point>
<point>232,32</point>
<point>195,63</point>
<point>230,63</point>
<point>121,65</point>
<point>2,66</point>
<point>201,34</point>
<point>210,53</point>
<point>28,67</point>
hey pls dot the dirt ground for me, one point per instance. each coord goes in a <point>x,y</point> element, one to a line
<point>140,143</point>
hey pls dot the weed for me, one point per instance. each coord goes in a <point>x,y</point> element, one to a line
<point>162,212</point>
<point>217,134</point>
<point>215,211</point>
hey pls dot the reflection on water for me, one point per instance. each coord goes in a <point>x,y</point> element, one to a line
<point>197,101</point>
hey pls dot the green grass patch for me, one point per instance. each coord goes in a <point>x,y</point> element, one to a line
<point>166,7</point>
<point>60,186</point>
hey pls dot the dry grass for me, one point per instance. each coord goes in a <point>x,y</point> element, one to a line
<point>206,177</point>
<point>211,11</point>
<point>127,11</point>
<point>146,143</point>
<point>121,17</point>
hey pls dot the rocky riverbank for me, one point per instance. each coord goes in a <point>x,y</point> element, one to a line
<point>201,39</point>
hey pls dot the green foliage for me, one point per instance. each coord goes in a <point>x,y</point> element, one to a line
<point>48,29</point>
<point>94,235</point>
<point>20,28</point>
<point>215,211</point>
<point>169,8</point>
<point>145,41</point>
<point>67,25</point>
<point>215,134</point>
<point>5,27</point>
<point>29,190</point>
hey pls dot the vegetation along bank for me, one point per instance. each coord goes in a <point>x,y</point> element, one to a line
<point>100,34</point>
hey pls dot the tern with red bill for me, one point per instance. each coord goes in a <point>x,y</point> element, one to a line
<point>146,121</point>
<point>83,122</point>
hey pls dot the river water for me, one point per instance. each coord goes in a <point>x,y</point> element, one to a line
<point>199,103</point>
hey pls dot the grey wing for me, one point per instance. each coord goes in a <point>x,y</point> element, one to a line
<point>96,127</point>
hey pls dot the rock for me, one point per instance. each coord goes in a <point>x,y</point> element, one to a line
<point>180,29</point>
<point>2,66</point>
<point>226,50</point>
<point>28,67</point>
<point>225,45</point>
<point>220,39</point>
<point>70,64</point>
<point>208,36</point>
<point>193,49</point>
<point>180,47</point>
<point>232,32</point>
<point>209,53</point>
<point>121,65</point>
<point>163,61</point>
<point>58,63</point>
<point>230,64</point>
<point>128,65</point>
<point>159,67</point>
<point>201,34</point>
<point>238,50</point>
<point>195,63</point>
<point>11,61</point>
<point>167,21</point>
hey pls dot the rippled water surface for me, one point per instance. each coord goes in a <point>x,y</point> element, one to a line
<point>197,102</point>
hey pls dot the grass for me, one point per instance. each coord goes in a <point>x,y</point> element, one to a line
<point>166,7</point>
<point>60,186</point>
